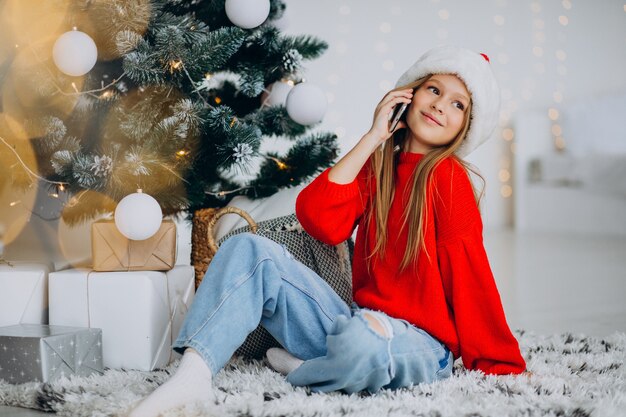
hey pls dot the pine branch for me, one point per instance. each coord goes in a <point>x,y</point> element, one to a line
<point>308,46</point>
<point>275,121</point>
<point>307,157</point>
<point>212,52</point>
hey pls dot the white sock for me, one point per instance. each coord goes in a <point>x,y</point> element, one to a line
<point>191,382</point>
<point>282,361</point>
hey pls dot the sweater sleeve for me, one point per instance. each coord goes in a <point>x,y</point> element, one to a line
<point>329,211</point>
<point>486,342</point>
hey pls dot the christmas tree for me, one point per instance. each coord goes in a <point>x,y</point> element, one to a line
<point>177,103</point>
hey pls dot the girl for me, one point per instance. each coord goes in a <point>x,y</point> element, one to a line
<point>423,289</point>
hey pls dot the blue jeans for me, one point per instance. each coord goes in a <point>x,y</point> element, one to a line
<point>253,280</point>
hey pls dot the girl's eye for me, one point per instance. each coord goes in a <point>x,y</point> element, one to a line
<point>433,89</point>
<point>459,105</point>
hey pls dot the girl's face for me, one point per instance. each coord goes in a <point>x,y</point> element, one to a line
<point>437,112</point>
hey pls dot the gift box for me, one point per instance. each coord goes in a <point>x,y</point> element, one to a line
<point>112,251</point>
<point>140,312</point>
<point>38,352</point>
<point>23,293</point>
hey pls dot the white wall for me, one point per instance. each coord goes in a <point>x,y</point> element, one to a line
<point>539,61</point>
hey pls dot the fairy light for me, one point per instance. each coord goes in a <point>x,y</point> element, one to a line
<point>14,203</point>
<point>218,100</point>
<point>385,27</point>
<point>208,76</point>
<point>508,134</point>
<point>561,70</point>
<point>182,152</point>
<point>233,121</point>
<point>281,164</point>
<point>53,195</point>
<point>175,65</point>
<point>553,113</point>
<point>107,94</point>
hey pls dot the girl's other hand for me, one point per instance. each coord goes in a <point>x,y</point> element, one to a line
<point>384,110</point>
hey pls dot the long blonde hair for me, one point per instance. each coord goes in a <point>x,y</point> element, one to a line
<point>383,163</point>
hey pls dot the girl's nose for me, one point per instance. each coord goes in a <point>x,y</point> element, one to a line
<point>437,106</point>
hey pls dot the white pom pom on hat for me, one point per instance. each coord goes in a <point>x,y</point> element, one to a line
<point>475,71</point>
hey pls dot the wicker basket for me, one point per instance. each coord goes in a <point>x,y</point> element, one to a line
<point>203,246</point>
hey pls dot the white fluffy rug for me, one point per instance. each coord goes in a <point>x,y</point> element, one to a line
<point>574,375</point>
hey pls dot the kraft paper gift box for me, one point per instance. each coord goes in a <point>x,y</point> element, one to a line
<point>23,293</point>
<point>140,312</point>
<point>42,353</point>
<point>112,251</point>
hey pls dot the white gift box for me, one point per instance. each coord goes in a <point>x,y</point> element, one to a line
<point>140,312</point>
<point>23,293</point>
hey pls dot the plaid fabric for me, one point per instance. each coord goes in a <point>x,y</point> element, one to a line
<point>332,263</point>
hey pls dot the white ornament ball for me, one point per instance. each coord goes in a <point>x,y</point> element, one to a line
<point>75,53</point>
<point>138,216</point>
<point>306,104</point>
<point>278,93</point>
<point>247,14</point>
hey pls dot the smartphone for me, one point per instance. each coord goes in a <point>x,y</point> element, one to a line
<point>398,111</point>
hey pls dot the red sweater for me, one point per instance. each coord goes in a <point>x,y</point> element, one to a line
<point>454,298</point>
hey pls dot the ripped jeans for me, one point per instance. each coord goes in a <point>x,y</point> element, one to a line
<point>253,280</point>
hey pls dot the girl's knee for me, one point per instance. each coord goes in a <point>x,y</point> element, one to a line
<point>242,242</point>
<point>379,323</point>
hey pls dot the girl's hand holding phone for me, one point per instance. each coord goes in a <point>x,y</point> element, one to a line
<point>381,125</point>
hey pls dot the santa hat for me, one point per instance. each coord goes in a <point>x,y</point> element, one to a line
<point>475,71</point>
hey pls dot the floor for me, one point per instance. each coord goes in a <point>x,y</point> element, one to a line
<point>549,283</point>
<point>552,283</point>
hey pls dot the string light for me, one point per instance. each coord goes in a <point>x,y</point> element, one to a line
<point>182,152</point>
<point>26,168</point>
<point>508,134</point>
<point>175,65</point>
<point>107,94</point>
<point>553,113</point>
<point>218,100</point>
<point>281,164</point>
<point>232,122</point>
<point>14,203</point>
